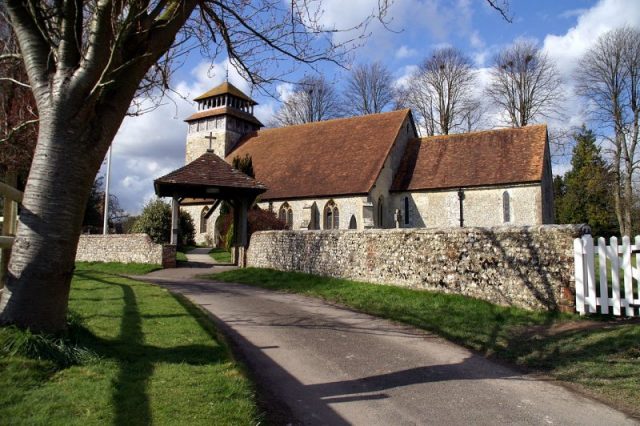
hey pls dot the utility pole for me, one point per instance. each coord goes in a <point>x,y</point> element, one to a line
<point>105,224</point>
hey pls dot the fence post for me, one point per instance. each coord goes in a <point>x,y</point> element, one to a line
<point>628,279</point>
<point>615,274</point>
<point>602,264</point>
<point>579,266</point>
<point>590,282</point>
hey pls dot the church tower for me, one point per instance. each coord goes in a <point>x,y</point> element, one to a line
<point>225,115</point>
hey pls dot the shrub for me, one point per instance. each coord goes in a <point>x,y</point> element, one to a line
<point>259,220</point>
<point>155,220</point>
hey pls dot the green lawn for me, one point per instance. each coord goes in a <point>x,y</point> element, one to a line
<point>134,354</point>
<point>220,255</point>
<point>603,356</point>
<point>181,256</point>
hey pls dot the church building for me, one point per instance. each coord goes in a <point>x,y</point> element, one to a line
<point>374,171</point>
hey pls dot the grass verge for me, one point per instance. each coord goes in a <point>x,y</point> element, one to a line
<point>602,357</point>
<point>220,255</point>
<point>133,354</point>
<point>181,256</point>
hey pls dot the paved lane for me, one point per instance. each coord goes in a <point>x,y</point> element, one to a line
<point>326,365</point>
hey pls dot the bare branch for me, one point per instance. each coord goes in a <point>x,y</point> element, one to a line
<point>525,85</point>
<point>10,56</point>
<point>503,9</point>
<point>314,99</point>
<point>369,89</point>
<point>441,95</point>
<point>16,129</point>
<point>14,81</point>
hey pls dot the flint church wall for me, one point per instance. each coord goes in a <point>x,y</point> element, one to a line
<point>528,267</point>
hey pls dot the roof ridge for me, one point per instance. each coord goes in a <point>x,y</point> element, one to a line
<point>333,120</point>
<point>475,132</point>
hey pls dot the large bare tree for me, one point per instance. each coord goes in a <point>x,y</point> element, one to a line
<point>313,99</point>
<point>369,89</point>
<point>441,93</point>
<point>609,79</point>
<point>86,61</point>
<point>525,85</point>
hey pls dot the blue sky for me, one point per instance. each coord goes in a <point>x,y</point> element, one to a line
<point>151,145</point>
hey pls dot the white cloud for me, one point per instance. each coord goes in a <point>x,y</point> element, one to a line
<point>285,90</point>
<point>406,72</point>
<point>476,41</point>
<point>571,13</point>
<point>409,20</point>
<point>405,52</point>
<point>566,49</point>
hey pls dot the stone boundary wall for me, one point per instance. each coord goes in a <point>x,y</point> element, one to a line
<point>125,248</point>
<point>529,267</point>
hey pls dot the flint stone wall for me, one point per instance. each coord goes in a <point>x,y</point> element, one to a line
<point>528,267</point>
<point>124,248</point>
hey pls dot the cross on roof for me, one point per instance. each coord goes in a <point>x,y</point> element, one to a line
<point>211,138</point>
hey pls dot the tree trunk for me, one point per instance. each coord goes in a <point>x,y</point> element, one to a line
<point>43,257</point>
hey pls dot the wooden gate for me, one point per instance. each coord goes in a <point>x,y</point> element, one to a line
<point>607,276</point>
<point>12,197</point>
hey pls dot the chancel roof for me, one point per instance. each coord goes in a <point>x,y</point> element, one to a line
<point>493,157</point>
<point>325,158</point>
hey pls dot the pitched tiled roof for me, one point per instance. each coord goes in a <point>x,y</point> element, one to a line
<point>204,172</point>
<point>325,158</point>
<point>485,158</point>
<point>222,111</point>
<point>223,88</point>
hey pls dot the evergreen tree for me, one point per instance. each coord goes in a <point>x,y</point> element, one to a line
<point>244,164</point>
<point>585,192</point>
<point>559,191</point>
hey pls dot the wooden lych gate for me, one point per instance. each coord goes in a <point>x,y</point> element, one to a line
<point>11,197</point>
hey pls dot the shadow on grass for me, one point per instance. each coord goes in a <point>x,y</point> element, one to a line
<point>137,359</point>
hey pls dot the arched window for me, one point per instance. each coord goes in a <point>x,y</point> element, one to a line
<point>352,223</point>
<point>285,214</point>
<point>203,220</point>
<point>406,210</point>
<point>506,207</point>
<point>381,212</point>
<point>331,215</point>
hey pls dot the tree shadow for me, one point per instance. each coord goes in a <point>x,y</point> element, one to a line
<point>136,359</point>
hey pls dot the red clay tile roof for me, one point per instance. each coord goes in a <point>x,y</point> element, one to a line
<point>485,158</point>
<point>223,88</point>
<point>222,111</point>
<point>205,171</point>
<point>325,158</point>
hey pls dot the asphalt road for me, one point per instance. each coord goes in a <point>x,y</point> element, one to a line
<point>317,364</point>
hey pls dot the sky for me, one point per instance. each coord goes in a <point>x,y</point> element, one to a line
<point>151,145</point>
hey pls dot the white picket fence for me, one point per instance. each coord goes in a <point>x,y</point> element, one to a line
<point>613,262</point>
